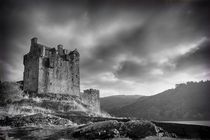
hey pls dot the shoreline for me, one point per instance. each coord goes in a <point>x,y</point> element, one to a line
<point>185,130</point>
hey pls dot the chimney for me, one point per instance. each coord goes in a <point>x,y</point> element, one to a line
<point>60,46</point>
<point>60,49</point>
<point>34,40</point>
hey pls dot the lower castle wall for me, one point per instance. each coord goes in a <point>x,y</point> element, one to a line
<point>57,79</point>
<point>30,75</point>
<point>50,71</point>
<point>91,98</point>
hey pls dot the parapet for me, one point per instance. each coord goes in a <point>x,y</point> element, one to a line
<point>60,50</point>
<point>91,91</point>
<point>40,50</point>
<point>34,40</point>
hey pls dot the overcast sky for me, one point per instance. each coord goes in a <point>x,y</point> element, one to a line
<point>126,47</point>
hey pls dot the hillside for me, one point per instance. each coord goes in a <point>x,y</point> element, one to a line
<point>66,117</point>
<point>186,102</point>
<point>114,102</point>
<point>14,101</point>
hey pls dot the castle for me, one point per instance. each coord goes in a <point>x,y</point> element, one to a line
<point>55,71</point>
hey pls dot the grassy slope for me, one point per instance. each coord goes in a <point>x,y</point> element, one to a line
<point>186,102</point>
<point>114,102</point>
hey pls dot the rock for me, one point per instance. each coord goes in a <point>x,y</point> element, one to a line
<point>37,119</point>
<point>163,133</point>
<point>139,129</point>
<point>101,130</point>
<point>114,129</point>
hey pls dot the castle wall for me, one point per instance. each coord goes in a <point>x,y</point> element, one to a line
<point>75,73</point>
<point>30,75</point>
<point>51,70</point>
<point>91,98</point>
<point>58,74</point>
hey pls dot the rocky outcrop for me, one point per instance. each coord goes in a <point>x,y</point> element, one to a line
<point>34,120</point>
<point>114,129</point>
<point>15,102</point>
<point>56,71</point>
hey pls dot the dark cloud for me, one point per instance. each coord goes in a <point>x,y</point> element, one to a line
<point>199,56</point>
<point>129,69</point>
<point>160,30</point>
<point>118,39</point>
<point>104,57</point>
<point>196,60</point>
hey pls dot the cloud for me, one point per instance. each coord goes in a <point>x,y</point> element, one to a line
<point>123,44</point>
<point>198,56</point>
<point>131,69</point>
<point>185,62</point>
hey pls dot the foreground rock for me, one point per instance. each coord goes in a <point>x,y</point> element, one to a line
<point>115,129</point>
<point>34,120</point>
<point>53,127</point>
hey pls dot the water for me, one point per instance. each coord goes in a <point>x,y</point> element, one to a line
<point>203,123</point>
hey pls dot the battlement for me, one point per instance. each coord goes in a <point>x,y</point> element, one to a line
<point>92,91</point>
<point>40,50</point>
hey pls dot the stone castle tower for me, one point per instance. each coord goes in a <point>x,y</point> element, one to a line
<point>50,70</point>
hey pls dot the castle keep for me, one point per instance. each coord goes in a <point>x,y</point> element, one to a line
<point>50,70</point>
<point>55,71</point>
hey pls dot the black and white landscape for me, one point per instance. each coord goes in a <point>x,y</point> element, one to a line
<point>105,69</point>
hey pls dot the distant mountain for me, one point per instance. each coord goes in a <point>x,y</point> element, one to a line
<point>188,101</point>
<point>114,102</point>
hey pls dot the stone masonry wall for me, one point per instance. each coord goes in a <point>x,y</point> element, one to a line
<point>31,62</point>
<point>54,71</point>
<point>91,97</point>
<point>50,71</point>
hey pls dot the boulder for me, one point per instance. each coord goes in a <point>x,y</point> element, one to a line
<point>114,129</point>
<point>102,130</point>
<point>139,129</point>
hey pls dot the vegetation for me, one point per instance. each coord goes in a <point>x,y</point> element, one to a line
<point>9,92</point>
<point>114,102</point>
<point>188,101</point>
